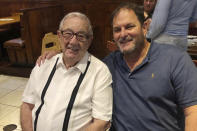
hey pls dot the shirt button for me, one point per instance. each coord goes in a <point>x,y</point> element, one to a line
<point>131,76</point>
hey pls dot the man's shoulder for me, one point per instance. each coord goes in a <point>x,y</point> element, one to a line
<point>98,66</point>
<point>168,49</point>
<point>97,62</point>
<point>112,56</point>
<point>53,59</point>
<point>170,52</point>
<point>45,68</point>
<point>48,63</point>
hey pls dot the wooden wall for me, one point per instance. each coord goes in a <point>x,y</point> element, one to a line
<point>35,23</point>
<point>99,12</point>
<point>8,7</point>
<point>193,29</point>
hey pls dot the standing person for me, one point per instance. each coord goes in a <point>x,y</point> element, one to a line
<point>151,82</point>
<point>149,6</point>
<point>50,89</point>
<point>170,22</point>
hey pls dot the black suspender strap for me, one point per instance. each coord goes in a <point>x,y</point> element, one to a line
<point>43,94</point>
<point>72,99</point>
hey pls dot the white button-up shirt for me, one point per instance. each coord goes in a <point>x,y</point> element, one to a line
<point>93,100</point>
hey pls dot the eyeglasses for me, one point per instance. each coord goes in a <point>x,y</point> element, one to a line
<point>68,35</point>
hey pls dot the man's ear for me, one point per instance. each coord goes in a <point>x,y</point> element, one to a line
<point>91,39</point>
<point>146,25</point>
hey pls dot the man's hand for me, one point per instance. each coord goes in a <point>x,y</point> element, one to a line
<point>97,125</point>
<point>46,55</point>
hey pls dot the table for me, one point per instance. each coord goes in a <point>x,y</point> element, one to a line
<point>6,21</point>
<point>6,25</point>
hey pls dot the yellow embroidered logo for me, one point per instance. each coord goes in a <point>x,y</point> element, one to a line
<point>153,75</point>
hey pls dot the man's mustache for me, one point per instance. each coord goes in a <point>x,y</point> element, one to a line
<point>125,39</point>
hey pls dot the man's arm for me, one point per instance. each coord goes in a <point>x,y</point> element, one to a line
<point>97,125</point>
<point>102,100</point>
<point>194,14</point>
<point>191,118</point>
<point>26,116</point>
<point>159,19</point>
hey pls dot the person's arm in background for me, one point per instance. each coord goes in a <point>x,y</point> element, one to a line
<point>159,19</point>
<point>194,15</point>
<point>191,118</point>
<point>193,19</point>
<point>26,116</point>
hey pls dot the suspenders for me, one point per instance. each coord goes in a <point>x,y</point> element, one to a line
<point>71,102</point>
<point>43,94</point>
<point>72,99</point>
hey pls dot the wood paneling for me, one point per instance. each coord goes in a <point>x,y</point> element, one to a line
<point>98,11</point>
<point>8,7</point>
<point>35,23</point>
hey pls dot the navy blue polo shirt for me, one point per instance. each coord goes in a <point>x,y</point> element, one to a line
<point>148,98</point>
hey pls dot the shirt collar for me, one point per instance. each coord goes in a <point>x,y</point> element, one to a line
<point>81,65</point>
<point>152,54</point>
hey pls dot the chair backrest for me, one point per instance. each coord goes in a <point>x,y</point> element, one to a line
<point>50,42</point>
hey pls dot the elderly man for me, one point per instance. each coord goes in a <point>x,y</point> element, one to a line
<point>72,91</point>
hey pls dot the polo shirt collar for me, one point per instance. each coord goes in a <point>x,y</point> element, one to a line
<point>152,54</point>
<point>81,65</point>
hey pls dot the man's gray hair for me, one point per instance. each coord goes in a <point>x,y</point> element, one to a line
<point>79,15</point>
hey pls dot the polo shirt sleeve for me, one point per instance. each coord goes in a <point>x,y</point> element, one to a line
<point>28,94</point>
<point>184,80</point>
<point>102,96</point>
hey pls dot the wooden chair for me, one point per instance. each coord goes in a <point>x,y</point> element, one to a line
<point>3,31</point>
<point>16,51</point>
<point>50,42</point>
